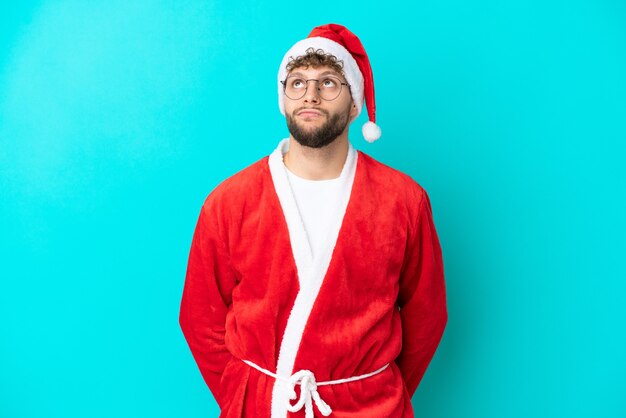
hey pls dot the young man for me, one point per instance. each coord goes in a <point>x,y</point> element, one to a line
<point>315,280</point>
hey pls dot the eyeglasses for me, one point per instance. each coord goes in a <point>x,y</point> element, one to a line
<point>329,87</point>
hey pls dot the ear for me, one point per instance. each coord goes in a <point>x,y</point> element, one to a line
<point>353,112</point>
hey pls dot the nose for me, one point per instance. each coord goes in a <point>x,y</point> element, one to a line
<point>312,94</point>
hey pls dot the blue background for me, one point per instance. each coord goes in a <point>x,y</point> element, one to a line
<point>117,118</point>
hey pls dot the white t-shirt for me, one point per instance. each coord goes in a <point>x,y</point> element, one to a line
<point>317,201</point>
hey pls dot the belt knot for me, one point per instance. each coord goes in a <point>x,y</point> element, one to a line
<point>308,394</point>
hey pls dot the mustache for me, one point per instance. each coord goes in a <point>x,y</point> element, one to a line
<point>322,111</point>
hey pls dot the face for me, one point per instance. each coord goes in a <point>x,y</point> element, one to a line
<point>313,121</point>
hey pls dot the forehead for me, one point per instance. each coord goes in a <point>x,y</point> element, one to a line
<point>313,72</point>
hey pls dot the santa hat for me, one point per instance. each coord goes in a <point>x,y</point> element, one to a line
<point>343,44</point>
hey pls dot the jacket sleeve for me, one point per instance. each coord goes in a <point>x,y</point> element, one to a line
<point>421,298</point>
<point>205,301</point>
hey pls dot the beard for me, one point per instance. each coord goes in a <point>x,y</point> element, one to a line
<point>320,137</point>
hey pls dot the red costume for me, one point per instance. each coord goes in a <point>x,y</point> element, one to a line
<point>375,297</point>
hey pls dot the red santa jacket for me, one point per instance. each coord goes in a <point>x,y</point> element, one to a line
<point>376,297</point>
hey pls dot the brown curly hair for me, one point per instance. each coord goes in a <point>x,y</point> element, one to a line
<point>315,58</point>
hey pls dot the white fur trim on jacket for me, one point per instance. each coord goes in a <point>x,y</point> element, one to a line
<point>311,269</point>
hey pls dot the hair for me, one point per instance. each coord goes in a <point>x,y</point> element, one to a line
<point>315,58</point>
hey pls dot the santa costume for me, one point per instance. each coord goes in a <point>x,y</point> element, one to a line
<point>282,328</point>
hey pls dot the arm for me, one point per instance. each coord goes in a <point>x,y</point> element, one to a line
<point>205,301</point>
<point>421,298</point>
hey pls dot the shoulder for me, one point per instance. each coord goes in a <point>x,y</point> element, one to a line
<point>236,189</point>
<point>397,189</point>
<point>391,181</point>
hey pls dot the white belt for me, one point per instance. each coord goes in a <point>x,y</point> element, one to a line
<point>308,392</point>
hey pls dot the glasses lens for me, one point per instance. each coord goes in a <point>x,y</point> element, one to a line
<point>330,87</point>
<point>295,87</point>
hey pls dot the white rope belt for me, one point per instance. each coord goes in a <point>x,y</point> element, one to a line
<point>308,392</point>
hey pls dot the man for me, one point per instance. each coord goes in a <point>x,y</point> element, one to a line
<point>315,279</point>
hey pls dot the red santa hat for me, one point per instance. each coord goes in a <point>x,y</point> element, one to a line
<point>345,46</point>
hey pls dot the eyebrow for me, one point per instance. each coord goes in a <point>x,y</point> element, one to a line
<point>321,74</point>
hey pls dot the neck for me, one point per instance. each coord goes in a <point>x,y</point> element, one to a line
<point>317,163</point>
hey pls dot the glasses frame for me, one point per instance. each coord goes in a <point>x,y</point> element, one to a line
<point>317,86</point>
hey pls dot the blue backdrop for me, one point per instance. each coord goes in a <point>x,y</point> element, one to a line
<point>117,119</point>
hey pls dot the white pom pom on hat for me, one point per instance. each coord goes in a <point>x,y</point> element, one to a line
<point>371,131</point>
<point>339,41</point>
